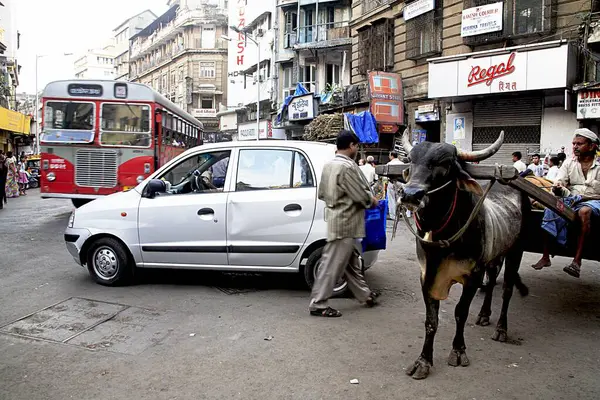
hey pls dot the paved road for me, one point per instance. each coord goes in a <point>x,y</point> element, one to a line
<point>191,335</point>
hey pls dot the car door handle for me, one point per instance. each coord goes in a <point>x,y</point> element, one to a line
<point>206,211</point>
<point>292,207</point>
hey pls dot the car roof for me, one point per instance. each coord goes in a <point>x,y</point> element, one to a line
<point>297,144</point>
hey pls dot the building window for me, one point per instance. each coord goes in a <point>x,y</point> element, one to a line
<point>376,47</point>
<point>207,101</point>
<point>207,70</point>
<point>521,17</point>
<point>289,32</point>
<point>208,37</point>
<point>424,34</point>
<point>333,75</point>
<point>287,84</point>
<point>308,77</point>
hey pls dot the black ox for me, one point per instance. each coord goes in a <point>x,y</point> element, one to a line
<point>443,197</point>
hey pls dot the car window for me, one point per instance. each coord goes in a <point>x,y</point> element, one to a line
<point>264,169</point>
<point>205,172</point>
<point>303,176</point>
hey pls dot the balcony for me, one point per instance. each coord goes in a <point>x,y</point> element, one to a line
<point>185,17</point>
<point>332,34</point>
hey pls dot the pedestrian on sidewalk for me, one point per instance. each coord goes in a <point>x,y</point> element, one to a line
<point>12,187</point>
<point>346,195</point>
<point>23,180</point>
<point>3,173</point>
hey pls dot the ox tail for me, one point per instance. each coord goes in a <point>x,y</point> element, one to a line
<point>521,287</point>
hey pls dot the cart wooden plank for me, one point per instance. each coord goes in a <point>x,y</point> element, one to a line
<point>507,173</point>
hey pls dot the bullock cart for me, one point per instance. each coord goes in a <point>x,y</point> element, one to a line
<point>509,176</point>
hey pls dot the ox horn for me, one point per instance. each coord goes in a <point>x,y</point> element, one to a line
<point>481,155</point>
<point>406,142</point>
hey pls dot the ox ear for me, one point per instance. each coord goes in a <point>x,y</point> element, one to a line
<point>466,183</point>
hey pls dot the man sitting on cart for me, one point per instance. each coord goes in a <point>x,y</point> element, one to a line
<point>578,181</point>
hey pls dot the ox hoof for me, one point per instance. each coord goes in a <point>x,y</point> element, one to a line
<point>483,320</point>
<point>458,358</point>
<point>419,369</point>
<point>500,336</point>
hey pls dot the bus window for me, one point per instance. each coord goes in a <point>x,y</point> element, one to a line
<point>125,125</point>
<point>60,116</point>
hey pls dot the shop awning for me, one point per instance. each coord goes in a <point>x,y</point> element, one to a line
<point>14,121</point>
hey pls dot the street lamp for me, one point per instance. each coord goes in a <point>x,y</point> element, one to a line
<point>255,41</point>
<point>37,100</point>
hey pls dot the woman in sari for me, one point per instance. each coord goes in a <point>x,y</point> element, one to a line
<point>12,186</point>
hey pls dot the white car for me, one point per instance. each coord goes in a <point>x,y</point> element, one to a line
<point>234,206</point>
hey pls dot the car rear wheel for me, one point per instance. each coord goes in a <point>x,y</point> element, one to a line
<point>79,202</point>
<point>313,264</point>
<point>108,263</point>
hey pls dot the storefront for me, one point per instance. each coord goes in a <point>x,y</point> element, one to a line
<point>523,91</point>
<point>15,129</point>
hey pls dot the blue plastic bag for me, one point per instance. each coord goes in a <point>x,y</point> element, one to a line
<point>375,226</point>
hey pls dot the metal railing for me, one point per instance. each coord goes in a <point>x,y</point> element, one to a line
<point>321,32</point>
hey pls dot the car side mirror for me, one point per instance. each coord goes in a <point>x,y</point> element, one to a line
<point>155,186</point>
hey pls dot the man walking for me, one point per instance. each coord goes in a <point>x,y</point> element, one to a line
<point>346,195</point>
<point>368,170</point>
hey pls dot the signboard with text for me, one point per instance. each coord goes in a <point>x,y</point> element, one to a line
<point>588,104</point>
<point>418,7</point>
<point>302,108</point>
<point>482,19</point>
<point>513,71</point>
<point>204,112</point>
<point>387,101</point>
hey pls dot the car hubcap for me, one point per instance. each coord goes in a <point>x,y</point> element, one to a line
<point>339,285</point>
<point>106,264</point>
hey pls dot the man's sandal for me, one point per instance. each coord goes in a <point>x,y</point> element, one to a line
<point>326,312</point>
<point>573,269</point>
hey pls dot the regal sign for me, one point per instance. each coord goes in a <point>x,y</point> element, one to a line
<point>488,75</point>
<point>551,66</point>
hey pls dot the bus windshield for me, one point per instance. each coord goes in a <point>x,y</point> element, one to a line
<point>125,125</point>
<point>68,122</point>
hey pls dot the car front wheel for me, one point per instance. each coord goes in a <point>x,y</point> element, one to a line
<point>108,263</point>
<point>313,264</point>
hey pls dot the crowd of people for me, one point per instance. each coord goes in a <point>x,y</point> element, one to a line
<point>13,177</point>
<point>537,167</point>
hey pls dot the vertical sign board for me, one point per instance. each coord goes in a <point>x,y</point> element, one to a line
<point>236,55</point>
<point>387,100</point>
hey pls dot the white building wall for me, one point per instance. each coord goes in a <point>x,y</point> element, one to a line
<point>557,130</point>
<point>8,26</point>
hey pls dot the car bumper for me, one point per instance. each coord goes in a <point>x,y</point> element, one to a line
<point>74,239</point>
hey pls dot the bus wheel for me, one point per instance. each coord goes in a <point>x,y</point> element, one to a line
<point>80,202</point>
<point>108,263</point>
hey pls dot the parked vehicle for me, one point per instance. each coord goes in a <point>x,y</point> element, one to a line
<point>233,206</point>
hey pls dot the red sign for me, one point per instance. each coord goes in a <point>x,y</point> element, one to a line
<point>387,99</point>
<point>488,75</point>
<point>388,128</point>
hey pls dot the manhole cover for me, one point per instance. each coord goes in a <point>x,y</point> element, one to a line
<point>401,293</point>
<point>95,325</point>
<point>236,290</point>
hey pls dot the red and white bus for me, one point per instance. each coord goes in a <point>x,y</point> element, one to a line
<point>101,137</point>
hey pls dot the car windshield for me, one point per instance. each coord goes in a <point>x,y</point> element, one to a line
<point>125,125</point>
<point>68,122</point>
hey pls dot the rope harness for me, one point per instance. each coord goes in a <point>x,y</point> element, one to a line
<point>445,243</point>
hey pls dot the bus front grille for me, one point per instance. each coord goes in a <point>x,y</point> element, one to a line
<point>96,168</point>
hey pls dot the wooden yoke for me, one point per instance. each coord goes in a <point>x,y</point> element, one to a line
<point>506,175</point>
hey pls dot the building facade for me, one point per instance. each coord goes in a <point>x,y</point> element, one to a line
<point>181,55</point>
<point>122,34</point>
<point>96,63</point>
<point>473,68</point>
<point>315,50</point>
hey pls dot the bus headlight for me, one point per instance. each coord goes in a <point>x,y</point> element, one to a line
<point>140,179</point>
<point>71,220</point>
<point>51,176</point>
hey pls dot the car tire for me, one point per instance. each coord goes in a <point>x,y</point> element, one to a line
<point>310,273</point>
<point>79,202</point>
<point>109,263</point>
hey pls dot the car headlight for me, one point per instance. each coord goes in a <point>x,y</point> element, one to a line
<point>140,179</point>
<point>71,220</point>
<point>50,176</point>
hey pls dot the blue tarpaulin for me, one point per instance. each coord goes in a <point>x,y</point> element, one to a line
<point>300,90</point>
<point>363,125</point>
